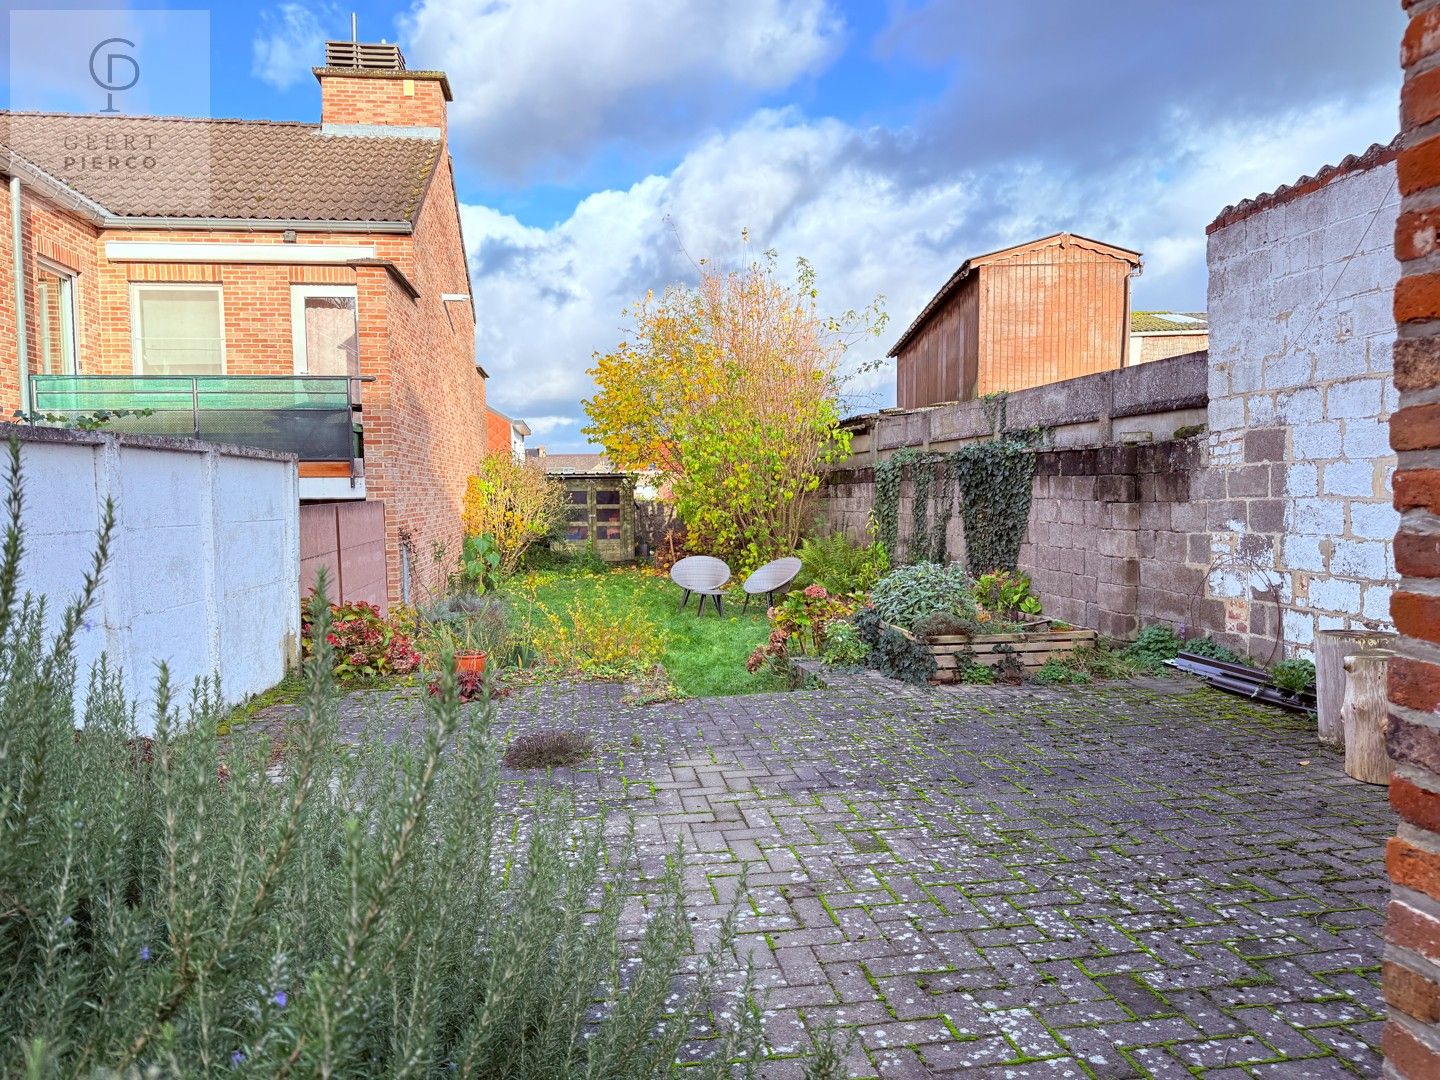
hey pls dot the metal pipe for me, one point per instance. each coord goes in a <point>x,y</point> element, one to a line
<point>17,252</point>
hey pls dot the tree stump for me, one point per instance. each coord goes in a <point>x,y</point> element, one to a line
<point>1331,649</point>
<point>1364,714</point>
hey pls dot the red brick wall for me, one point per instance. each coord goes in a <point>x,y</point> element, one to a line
<point>499,438</point>
<point>397,98</point>
<point>1412,931</point>
<point>429,408</point>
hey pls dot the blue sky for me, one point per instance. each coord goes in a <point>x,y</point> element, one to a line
<point>600,147</point>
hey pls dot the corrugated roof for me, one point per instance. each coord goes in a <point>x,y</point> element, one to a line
<point>994,256</point>
<point>1151,322</point>
<point>150,166</point>
<point>1376,155</point>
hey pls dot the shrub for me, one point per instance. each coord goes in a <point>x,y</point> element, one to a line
<point>946,624</point>
<point>1211,649</point>
<point>891,653</point>
<point>843,645</point>
<point>977,674</point>
<point>601,640</point>
<point>514,503</point>
<point>1007,594</point>
<point>548,750</point>
<point>840,564</point>
<point>175,906</point>
<point>1056,672</point>
<point>808,613</point>
<point>1103,661</point>
<point>480,563</point>
<point>363,643</point>
<point>907,594</point>
<point>1295,676</point>
<point>1153,646</point>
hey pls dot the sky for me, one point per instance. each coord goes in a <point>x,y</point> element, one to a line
<point>603,149</point>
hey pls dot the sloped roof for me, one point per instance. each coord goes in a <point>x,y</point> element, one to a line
<point>1153,322</point>
<point>572,464</point>
<point>956,279</point>
<point>152,166</point>
<point>1375,156</point>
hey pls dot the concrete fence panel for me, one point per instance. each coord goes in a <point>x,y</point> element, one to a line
<point>204,559</point>
<point>347,539</point>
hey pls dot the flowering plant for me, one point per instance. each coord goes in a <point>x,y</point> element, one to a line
<point>366,645</point>
<point>804,613</point>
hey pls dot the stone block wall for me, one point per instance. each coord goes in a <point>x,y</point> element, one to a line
<point>1300,392</point>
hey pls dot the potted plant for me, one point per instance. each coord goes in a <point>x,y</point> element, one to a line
<point>463,640</point>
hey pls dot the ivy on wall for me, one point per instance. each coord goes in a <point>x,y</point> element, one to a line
<point>989,482</point>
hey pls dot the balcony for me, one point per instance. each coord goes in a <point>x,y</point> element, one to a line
<point>315,417</point>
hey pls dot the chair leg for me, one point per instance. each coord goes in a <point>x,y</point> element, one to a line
<point>684,599</point>
<point>700,608</point>
<point>747,603</point>
<point>719,606</point>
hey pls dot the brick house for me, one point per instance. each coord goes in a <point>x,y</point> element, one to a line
<point>505,435</point>
<point>1051,309</point>
<point>296,286</point>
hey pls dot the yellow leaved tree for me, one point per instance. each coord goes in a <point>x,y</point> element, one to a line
<point>731,389</point>
<point>514,503</point>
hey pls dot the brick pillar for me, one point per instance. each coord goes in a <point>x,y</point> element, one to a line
<point>1412,930</point>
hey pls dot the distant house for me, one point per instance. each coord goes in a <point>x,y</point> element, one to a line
<point>504,435</point>
<point>1156,335</point>
<point>1051,309</point>
<point>300,287</point>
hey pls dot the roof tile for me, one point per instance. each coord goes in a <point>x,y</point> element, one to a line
<point>148,166</point>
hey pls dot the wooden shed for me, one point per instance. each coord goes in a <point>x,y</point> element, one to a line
<point>1055,308</point>
<point>599,504</point>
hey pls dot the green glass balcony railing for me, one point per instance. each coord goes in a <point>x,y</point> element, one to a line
<point>311,416</point>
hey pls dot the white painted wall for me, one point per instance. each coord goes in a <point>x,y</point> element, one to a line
<point>205,561</point>
<point>1301,333</point>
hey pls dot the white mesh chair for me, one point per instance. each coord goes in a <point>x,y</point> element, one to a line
<point>770,579</point>
<point>701,576</point>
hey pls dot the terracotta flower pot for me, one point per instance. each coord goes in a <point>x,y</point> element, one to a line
<point>470,661</point>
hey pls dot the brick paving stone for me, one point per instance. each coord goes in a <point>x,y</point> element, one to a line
<point>1115,881</point>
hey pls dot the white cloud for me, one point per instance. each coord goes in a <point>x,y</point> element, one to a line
<point>547,298</point>
<point>544,82</point>
<point>290,42</point>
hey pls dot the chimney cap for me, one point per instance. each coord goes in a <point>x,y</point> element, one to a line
<point>383,56</point>
<point>387,73</point>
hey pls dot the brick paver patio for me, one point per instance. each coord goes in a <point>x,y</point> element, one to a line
<point>1124,881</point>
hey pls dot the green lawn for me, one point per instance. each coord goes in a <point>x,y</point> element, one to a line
<point>704,655</point>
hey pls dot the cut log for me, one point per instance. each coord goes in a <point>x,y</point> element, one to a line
<point>1331,649</point>
<point>1364,715</point>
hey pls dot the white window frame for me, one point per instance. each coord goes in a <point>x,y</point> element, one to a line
<point>137,288</point>
<point>69,328</point>
<point>298,295</point>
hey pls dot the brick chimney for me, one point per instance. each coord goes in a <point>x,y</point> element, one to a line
<point>366,85</point>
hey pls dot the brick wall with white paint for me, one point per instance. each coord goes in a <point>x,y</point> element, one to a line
<point>1300,395</point>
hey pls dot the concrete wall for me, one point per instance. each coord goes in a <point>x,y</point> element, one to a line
<point>1301,341</point>
<point>204,565</point>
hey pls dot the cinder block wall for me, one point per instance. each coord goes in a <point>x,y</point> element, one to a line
<point>1411,970</point>
<point>1300,389</point>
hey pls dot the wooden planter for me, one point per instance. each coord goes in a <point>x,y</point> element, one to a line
<point>1032,649</point>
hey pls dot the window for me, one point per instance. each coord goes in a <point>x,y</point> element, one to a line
<point>177,329</point>
<point>607,498</point>
<point>577,497</point>
<point>326,329</point>
<point>55,296</point>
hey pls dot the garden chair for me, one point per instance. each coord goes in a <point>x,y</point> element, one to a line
<point>770,579</point>
<point>703,576</point>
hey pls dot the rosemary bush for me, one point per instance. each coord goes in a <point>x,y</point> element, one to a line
<point>182,906</point>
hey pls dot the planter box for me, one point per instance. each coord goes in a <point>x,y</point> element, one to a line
<point>1032,649</point>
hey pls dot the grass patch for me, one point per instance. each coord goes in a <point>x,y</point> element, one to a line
<point>704,656</point>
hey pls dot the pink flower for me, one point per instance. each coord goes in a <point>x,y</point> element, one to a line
<point>815,592</point>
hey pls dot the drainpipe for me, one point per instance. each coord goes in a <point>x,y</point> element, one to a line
<point>17,242</point>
